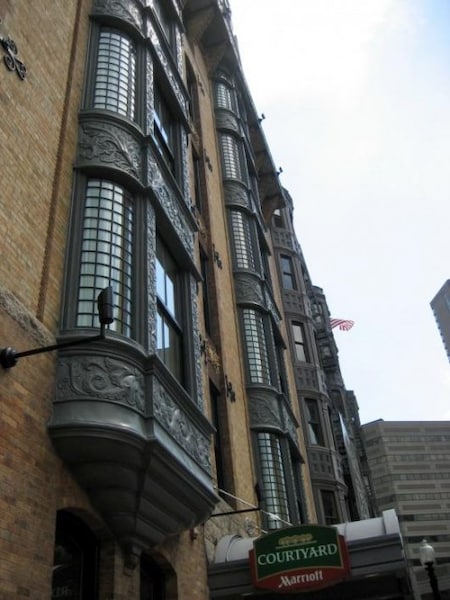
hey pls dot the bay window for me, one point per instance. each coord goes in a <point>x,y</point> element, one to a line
<point>256,347</point>
<point>106,253</point>
<point>242,238</point>
<point>273,480</point>
<point>232,157</point>
<point>115,74</point>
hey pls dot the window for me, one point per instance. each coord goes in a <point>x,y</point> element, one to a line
<point>315,432</point>
<point>255,341</point>
<point>273,480</point>
<point>168,328</point>
<point>106,254</point>
<point>242,237</point>
<point>329,506</point>
<point>166,23</point>
<point>231,157</point>
<point>301,353</point>
<point>317,313</point>
<point>114,86</point>
<point>165,132</point>
<point>287,273</point>
<point>224,96</point>
<point>277,218</point>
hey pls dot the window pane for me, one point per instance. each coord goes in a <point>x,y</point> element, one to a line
<point>165,130</point>
<point>314,424</point>
<point>287,273</point>
<point>165,21</point>
<point>245,258</point>
<point>232,165</point>
<point>255,341</point>
<point>114,87</point>
<point>329,507</point>
<point>103,264</point>
<point>168,329</point>
<point>273,479</point>
<point>224,96</point>
<point>299,342</point>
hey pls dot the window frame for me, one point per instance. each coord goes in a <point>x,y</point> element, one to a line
<point>232,157</point>
<point>288,277</point>
<point>166,23</point>
<point>254,328</point>
<point>245,250</point>
<point>90,88</point>
<point>333,517</point>
<point>103,269</point>
<point>274,479</point>
<point>314,423</point>
<point>301,350</point>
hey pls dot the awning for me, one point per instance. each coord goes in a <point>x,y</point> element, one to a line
<point>378,565</point>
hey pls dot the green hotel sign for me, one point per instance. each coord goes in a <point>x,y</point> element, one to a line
<point>299,559</point>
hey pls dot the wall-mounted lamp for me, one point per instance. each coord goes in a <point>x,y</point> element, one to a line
<point>427,560</point>
<point>10,58</point>
<point>105,305</point>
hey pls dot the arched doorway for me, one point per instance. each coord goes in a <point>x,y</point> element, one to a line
<point>75,559</point>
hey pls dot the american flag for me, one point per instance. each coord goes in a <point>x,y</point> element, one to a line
<point>343,324</point>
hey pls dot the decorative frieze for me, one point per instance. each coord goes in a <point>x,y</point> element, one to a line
<point>128,10</point>
<point>100,378</point>
<point>105,144</point>
<point>177,423</point>
<point>264,409</point>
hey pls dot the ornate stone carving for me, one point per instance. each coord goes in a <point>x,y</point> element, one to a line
<point>179,426</point>
<point>264,410</point>
<point>101,142</point>
<point>290,425</point>
<point>124,9</point>
<point>101,378</point>
<point>197,352</point>
<point>151,276</point>
<point>236,195</point>
<point>227,120</point>
<point>248,290</point>
<point>270,304</point>
<point>169,203</point>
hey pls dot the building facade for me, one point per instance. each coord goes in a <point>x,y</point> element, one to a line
<point>134,160</point>
<point>410,466</point>
<point>440,306</point>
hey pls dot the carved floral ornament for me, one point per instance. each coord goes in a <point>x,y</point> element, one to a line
<point>10,58</point>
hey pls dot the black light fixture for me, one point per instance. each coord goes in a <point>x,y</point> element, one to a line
<point>105,304</point>
<point>427,560</point>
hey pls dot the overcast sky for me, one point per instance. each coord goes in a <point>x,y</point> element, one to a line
<point>356,95</point>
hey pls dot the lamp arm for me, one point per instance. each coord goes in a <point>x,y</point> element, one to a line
<point>105,303</point>
<point>9,356</point>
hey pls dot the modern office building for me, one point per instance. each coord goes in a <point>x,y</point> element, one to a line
<point>409,462</point>
<point>441,310</point>
<point>182,366</point>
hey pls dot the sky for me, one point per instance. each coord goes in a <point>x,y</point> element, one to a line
<point>356,99</point>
